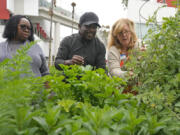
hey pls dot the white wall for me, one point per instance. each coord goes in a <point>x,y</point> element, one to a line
<point>19,7</point>
<point>148,10</point>
<point>45,24</point>
<point>1,32</point>
<point>24,7</point>
<point>43,45</point>
<point>31,7</point>
<point>10,5</point>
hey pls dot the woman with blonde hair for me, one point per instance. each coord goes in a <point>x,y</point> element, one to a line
<point>122,40</point>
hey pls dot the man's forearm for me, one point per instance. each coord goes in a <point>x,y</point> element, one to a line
<point>57,62</point>
<point>67,62</point>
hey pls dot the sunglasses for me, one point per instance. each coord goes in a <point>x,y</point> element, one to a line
<point>24,27</point>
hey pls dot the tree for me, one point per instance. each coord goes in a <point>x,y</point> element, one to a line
<point>103,33</point>
<point>125,3</point>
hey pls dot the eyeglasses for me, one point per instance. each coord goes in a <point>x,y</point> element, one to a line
<point>124,32</point>
<point>24,27</point>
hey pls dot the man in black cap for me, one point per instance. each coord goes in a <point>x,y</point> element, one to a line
<point>83,48</point>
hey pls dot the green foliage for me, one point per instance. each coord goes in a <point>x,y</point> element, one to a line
<point>157,71</point>
<point>15,94</point>
<point>84,85</point>
<point>79,101</point>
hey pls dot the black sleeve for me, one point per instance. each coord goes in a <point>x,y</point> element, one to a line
<point>44,68</point>
<point>62,54</point>
<point>100,59</point>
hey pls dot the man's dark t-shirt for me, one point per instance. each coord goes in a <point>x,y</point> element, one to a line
<point>93,51</point>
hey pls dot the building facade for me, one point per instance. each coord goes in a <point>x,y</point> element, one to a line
<point>145,9</point>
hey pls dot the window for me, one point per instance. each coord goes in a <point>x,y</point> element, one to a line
<point>141,29</point>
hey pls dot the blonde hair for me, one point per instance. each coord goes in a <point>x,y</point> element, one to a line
<point>117,28</point>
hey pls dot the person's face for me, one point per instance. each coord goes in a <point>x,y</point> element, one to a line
<point>23,30</point>
<point>88,32</point>
<point>124,36</point>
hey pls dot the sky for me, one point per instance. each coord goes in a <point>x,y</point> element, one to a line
<point>108,10</point>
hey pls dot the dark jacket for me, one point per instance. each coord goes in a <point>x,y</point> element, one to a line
<point>93,51</point>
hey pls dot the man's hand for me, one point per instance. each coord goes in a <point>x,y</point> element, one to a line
<point>76,59</point>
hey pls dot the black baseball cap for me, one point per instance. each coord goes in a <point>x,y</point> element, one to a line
<point>89,18</point>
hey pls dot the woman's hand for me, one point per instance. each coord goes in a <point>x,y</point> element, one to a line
<point>128,58</point>
<point>131,73</point>
<point>143,48</point>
